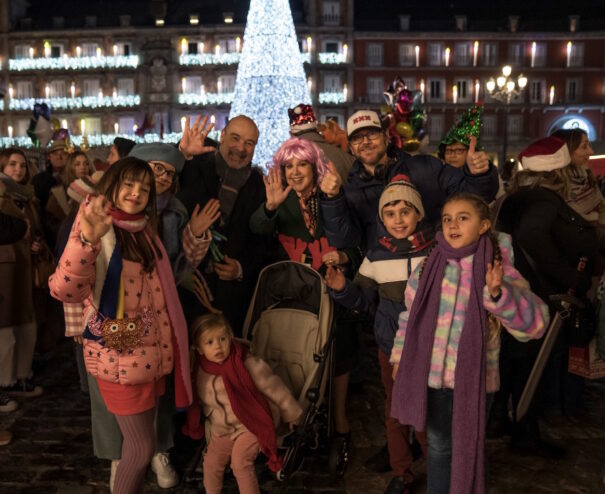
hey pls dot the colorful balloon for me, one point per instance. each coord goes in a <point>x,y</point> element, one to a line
<point>404,129</point>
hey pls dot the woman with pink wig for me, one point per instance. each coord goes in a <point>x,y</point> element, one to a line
<point>291,214</point>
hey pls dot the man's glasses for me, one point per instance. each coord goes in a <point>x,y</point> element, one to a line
<point>160,170</point>
<point>358,137</point>
<point>456,151</point>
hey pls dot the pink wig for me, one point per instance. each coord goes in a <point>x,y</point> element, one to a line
<point>303,150</point>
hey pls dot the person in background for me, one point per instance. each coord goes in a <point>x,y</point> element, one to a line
<point>12,230</point>
<point>17,312</point>
<point>303,125</point>
<point>549,238</point>
<point>584,194</point>
<point>119,149</point>
<point>58,205</point>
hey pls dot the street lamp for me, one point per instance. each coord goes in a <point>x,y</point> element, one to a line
<point>503,89</point>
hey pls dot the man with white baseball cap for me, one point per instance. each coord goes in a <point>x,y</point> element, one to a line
<point>349,210</point>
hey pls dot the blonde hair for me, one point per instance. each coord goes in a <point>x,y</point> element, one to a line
<point>69,171</point>
<point>209,322</point>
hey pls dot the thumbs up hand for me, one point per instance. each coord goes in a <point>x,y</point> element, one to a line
<point>477,161</point>
<point>331,182</point>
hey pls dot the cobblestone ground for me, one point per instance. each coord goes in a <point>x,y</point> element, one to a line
<point>51,450</point>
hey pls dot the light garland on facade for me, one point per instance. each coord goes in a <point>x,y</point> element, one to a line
<point>210,59</point>
<point>200,59</point>
<point>332,98</point>
<point>76,103</point>
<point>74,63</point>
<point>332,58</point>
<point>106,140</point>
<point>206,99</point>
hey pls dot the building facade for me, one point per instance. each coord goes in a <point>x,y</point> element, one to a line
<point>118,72</point>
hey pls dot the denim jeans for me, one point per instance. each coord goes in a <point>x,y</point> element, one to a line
<point>440,407</point>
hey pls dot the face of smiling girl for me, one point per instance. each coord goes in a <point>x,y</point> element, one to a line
<point>462,224</point>
<point>133,194</point>
<point>16,167</point>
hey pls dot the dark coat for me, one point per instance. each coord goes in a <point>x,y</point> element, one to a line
<point>16,303</point>
<point>350,218</point>
<point>200,183</point>
<point>12,229</point>
<point>553,235</point>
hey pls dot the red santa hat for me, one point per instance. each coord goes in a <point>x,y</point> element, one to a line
<point>302,118</point>
<point>545,155</point>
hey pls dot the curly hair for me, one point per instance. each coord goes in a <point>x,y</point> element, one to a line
<point>301,149</point>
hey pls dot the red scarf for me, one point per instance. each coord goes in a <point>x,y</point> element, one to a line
<point>130,222</point>
<point>248,404</point>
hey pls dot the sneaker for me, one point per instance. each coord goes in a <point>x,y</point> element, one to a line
<point>5,438</point>
<point>6,404</point>
<point>23,388</point>
<point>112,474</point>
<point>166,475</point>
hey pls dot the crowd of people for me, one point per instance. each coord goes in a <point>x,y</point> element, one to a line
<point>149,267</point>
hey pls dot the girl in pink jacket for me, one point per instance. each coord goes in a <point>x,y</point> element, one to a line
<point>135,333</point>
<point>242,400</point>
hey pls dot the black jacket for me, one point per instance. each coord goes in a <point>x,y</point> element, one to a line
<point>553,235</point>
<point>350,218</point>
<point>200,183</point>
<point>12,229</point>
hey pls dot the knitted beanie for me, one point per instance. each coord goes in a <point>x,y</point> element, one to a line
<point>400,189</point>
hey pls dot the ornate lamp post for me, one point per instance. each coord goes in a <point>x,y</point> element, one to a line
<point>503,89</point>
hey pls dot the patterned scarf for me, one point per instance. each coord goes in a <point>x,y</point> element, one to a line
<point>309,208</point>
<point>417,242</point>
<point>409,404</point>
<point>232,180</point>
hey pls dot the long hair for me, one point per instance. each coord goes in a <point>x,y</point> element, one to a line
<point>301,149</point>
<point>558,180</point>
<point>135,246</point>
<point>573,139</point>
<point>69,171</point>
<point>5,155</point>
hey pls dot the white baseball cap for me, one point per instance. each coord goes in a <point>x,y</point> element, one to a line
<point>363,119</point>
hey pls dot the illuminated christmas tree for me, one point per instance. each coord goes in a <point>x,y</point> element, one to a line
<point>270,76</point>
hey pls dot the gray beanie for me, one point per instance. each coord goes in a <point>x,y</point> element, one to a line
<point>159,151</point>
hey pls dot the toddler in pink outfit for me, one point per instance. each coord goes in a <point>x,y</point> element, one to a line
<point>243,402</point>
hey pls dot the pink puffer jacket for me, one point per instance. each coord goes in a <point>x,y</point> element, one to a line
<point>74,280</point>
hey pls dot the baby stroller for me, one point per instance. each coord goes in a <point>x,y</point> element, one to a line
<point>289,324</point>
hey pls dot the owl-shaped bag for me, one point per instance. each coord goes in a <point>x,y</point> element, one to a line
<point>122,334</point>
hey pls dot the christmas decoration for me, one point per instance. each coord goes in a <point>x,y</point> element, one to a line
<point>467,126</point>
<point>270,75</point>
<point>403,110</point>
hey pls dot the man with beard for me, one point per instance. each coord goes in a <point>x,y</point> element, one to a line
<point>227,175</point>
<point>349,210</point>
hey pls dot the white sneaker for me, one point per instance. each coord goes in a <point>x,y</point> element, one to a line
<point>112,474</point>
<point>165,472</point>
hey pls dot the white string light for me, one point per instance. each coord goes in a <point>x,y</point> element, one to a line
<point>99,101</point>
<point>74,63</point>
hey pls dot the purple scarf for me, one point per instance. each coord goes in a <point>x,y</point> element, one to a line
<point>410,387</point>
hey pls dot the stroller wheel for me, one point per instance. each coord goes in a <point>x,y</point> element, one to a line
<point>338,456</point>
<point>280,475</point>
